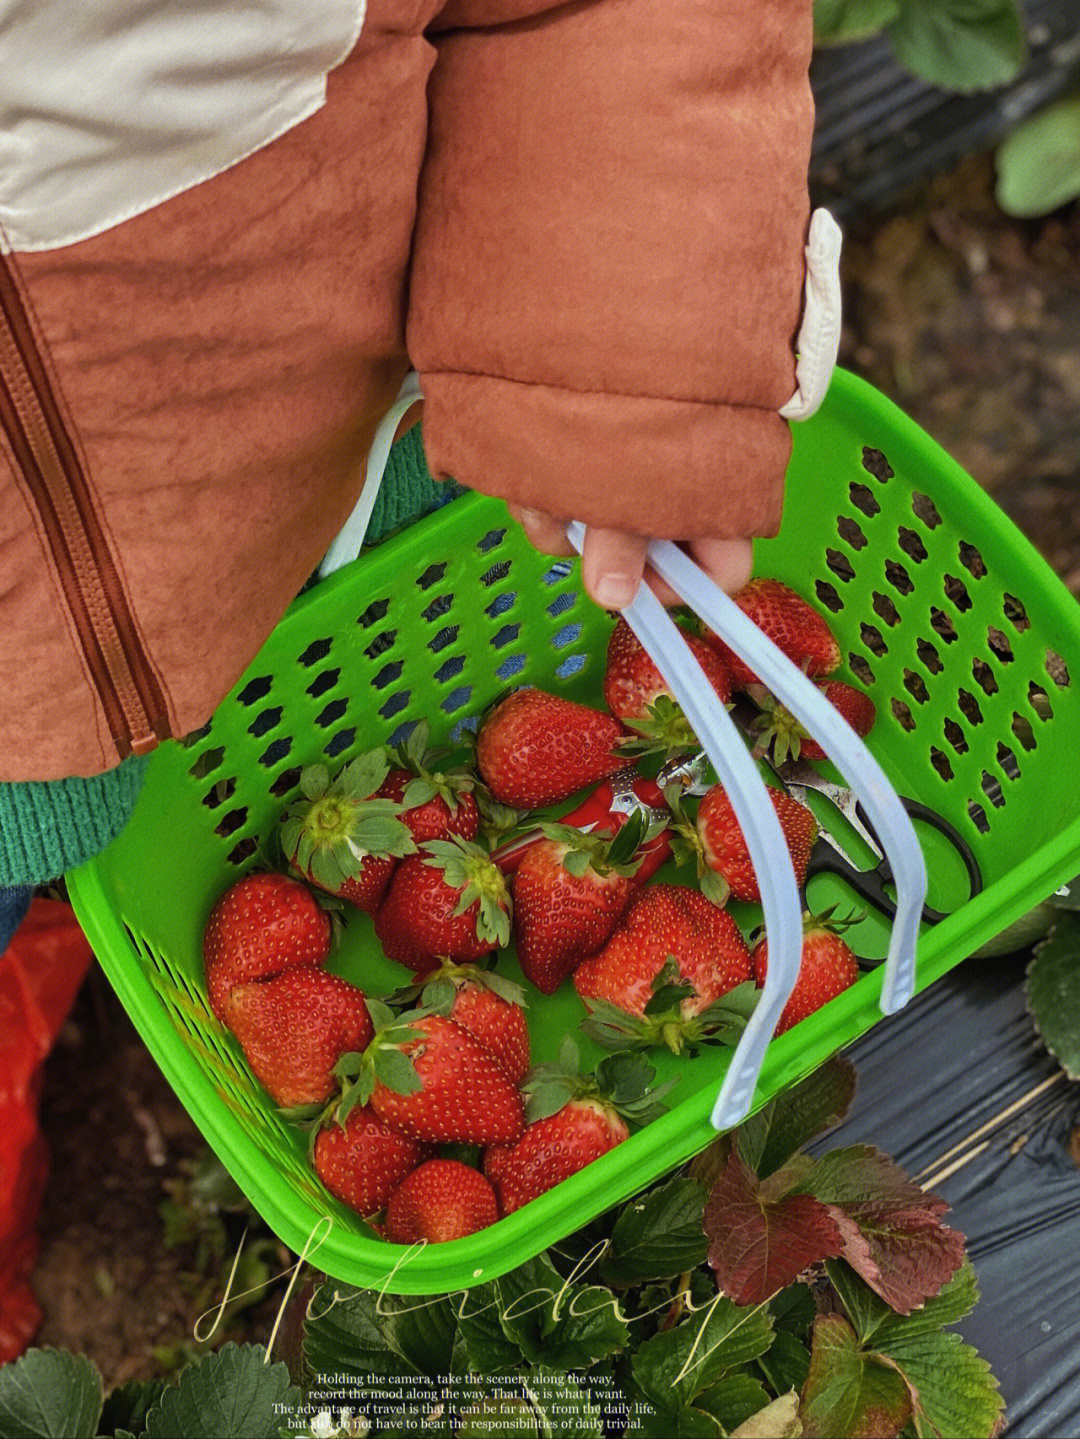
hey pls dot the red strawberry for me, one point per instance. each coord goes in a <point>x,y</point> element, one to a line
<point>636,691</point>
<point>569,891</point>
<point>342,837</point>
<point>536,749</point>
<point>363,1160</point>
<point>259,927</point>
<point>450,902</point>
<point>723,848</point>
<point>791,623</point>
<point>436,803</point>
<point>573,1119</point>
<point>294,1028</point>
<point>488,1005</point>
<point>668,936</point>
<point>782,731</point>
<point>826,969</point>
<point>441,1200</point>
<point>428,1077</point>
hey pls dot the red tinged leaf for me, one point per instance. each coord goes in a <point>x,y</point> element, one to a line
<point>760,1243</point>
<point>892,1230</point>
<point>850,1394</point>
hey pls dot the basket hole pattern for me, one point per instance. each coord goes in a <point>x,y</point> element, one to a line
<point>862,497</point>
<point>432,575</point>
<point>325,680</point>
<point>940,761</point>
<point>1000,645</point>
<point>558,571</point>
<point>969,707</point>
<point>1057,669</point>
<point>233,821</point>
<point>885,609</point>
<point>220,792</point>
<point>1040,701</point>
<point>505,636</point>
<point>388,674</point>
<point>955,736</point>
<point>441,605</point>
<point>570,666</point>
<point>875,463</point>
<point>380,644</point>
<point>972,560</point>
<point>333,711</point>
<point>286,782</point>
<point>860,669</point>
<point>561,603</point>
<point>501,604</point>
<point>1021,728</point>
<point>911,544</point>
<point>984,677</point>
<point>255,690</point>
<point>340,742</point>
<point>851,533</point>
<point>490,540</point>
<point>826,593</point>
<point>902,714</point>
<point>1006,758</point>
<point>924,509</point>
<point>375,612</point>
<point>402,733</point>
<point>242,851</point>
<point>450,669</point>
<point>1015,613</point>
<point>873,639</point>
<point>498,571</point>
<point>928,656</point>
<point>978,817</point>
<point>840,565</point>
<point>566,636</point>
<point>956,593</point>
<point>275,752</point>
<point>992,789</point>
<point>942,625</point>
<point>316,651</point>
<point>189,741</point>
<point>458,697</point>
<point>915,687</point>
<point>441,638</point>
<point>897,576</point>
<point>511,666</point>
<point>265,721</point>
<point>395,704</point>
<point>207,762</point>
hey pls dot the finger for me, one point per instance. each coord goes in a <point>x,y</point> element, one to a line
<point>727,562</point>
<point>612,564</point>
<point>544,532</point>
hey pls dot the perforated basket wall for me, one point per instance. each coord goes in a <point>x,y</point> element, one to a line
<point>958,629</point>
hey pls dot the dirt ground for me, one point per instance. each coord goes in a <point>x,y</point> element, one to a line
<point>971,322</point>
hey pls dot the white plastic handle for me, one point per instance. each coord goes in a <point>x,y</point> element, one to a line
<point>760,825</point>
<point>839,741</point>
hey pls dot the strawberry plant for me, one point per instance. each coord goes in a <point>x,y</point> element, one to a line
<point>758,1291</point>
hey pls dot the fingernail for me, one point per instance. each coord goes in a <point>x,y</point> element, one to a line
<point>615,592</point>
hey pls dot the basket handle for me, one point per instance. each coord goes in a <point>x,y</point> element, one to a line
<point>760,825</point>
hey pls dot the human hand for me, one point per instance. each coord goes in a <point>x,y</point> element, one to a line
<point>613,561</point>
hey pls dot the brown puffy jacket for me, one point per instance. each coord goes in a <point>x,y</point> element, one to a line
<point>226,237</point>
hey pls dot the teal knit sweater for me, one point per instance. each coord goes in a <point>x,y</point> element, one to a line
<point>47,827</point>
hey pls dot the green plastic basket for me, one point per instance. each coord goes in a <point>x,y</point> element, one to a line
<point>959,630</point>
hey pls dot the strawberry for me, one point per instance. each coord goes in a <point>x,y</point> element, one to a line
<point>426,1076</point>
<point>441,1200</point>
<point>826,969</point>
<point>573,1119</point>
<point>660,974</point>
<point>569,891</point>
<point>341,836</point>
<point>435,803</point>
<point>294,1027</point>
<point>487,1004</point>
<point>779,728</point>
<point>535,748</point>
<point>635,690</point>
<point>792,624</point>
<point>363,1160</point>
<point>450,901</point>
<point>720,845</point>
<point>261,926</point>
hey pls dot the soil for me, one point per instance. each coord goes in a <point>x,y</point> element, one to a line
<point>971,322</point>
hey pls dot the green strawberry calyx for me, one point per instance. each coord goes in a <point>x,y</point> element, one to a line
<point>384,1061</point>
<point>338,823</point>
<point>829,922</point>
<point>430,778</point>
<point>603,854</point>
<point>468,868</point>
<point>664,730</point>
<point>622,1082</point>
<point>439,988</point>
<point>667,1020</point>
<point>687,847</point>
<point>776,728</point>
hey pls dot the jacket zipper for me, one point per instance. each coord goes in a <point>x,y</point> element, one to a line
<point>130,694</point>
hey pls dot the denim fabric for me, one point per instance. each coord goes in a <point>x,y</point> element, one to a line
<point>13,906</point>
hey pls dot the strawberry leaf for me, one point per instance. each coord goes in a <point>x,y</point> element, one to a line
<point>892,1230</point>
<point>314,781</point>
<point>676,1365</point>
<point>787,1363</point>
<point>952,1389</point>
<point>362,776</point>
<point>325,869</point>
<point>759,1244</point>
<point>771,1136</point>
<point>657,1236</point>
<point>439,995</point>
<point>564,1326</point>
<point>1053,992</point>
<point>849,1392</point>
<point>733,1400</point>
<point>381,1013</point>
<point>396,1071</point>
<point>714,887</point>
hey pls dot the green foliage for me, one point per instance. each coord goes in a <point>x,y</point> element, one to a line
<point>1053,989</point>
<point>962,45</point>
<point>48,1394</point>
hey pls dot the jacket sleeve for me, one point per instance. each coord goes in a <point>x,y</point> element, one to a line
<point>608,264</point>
